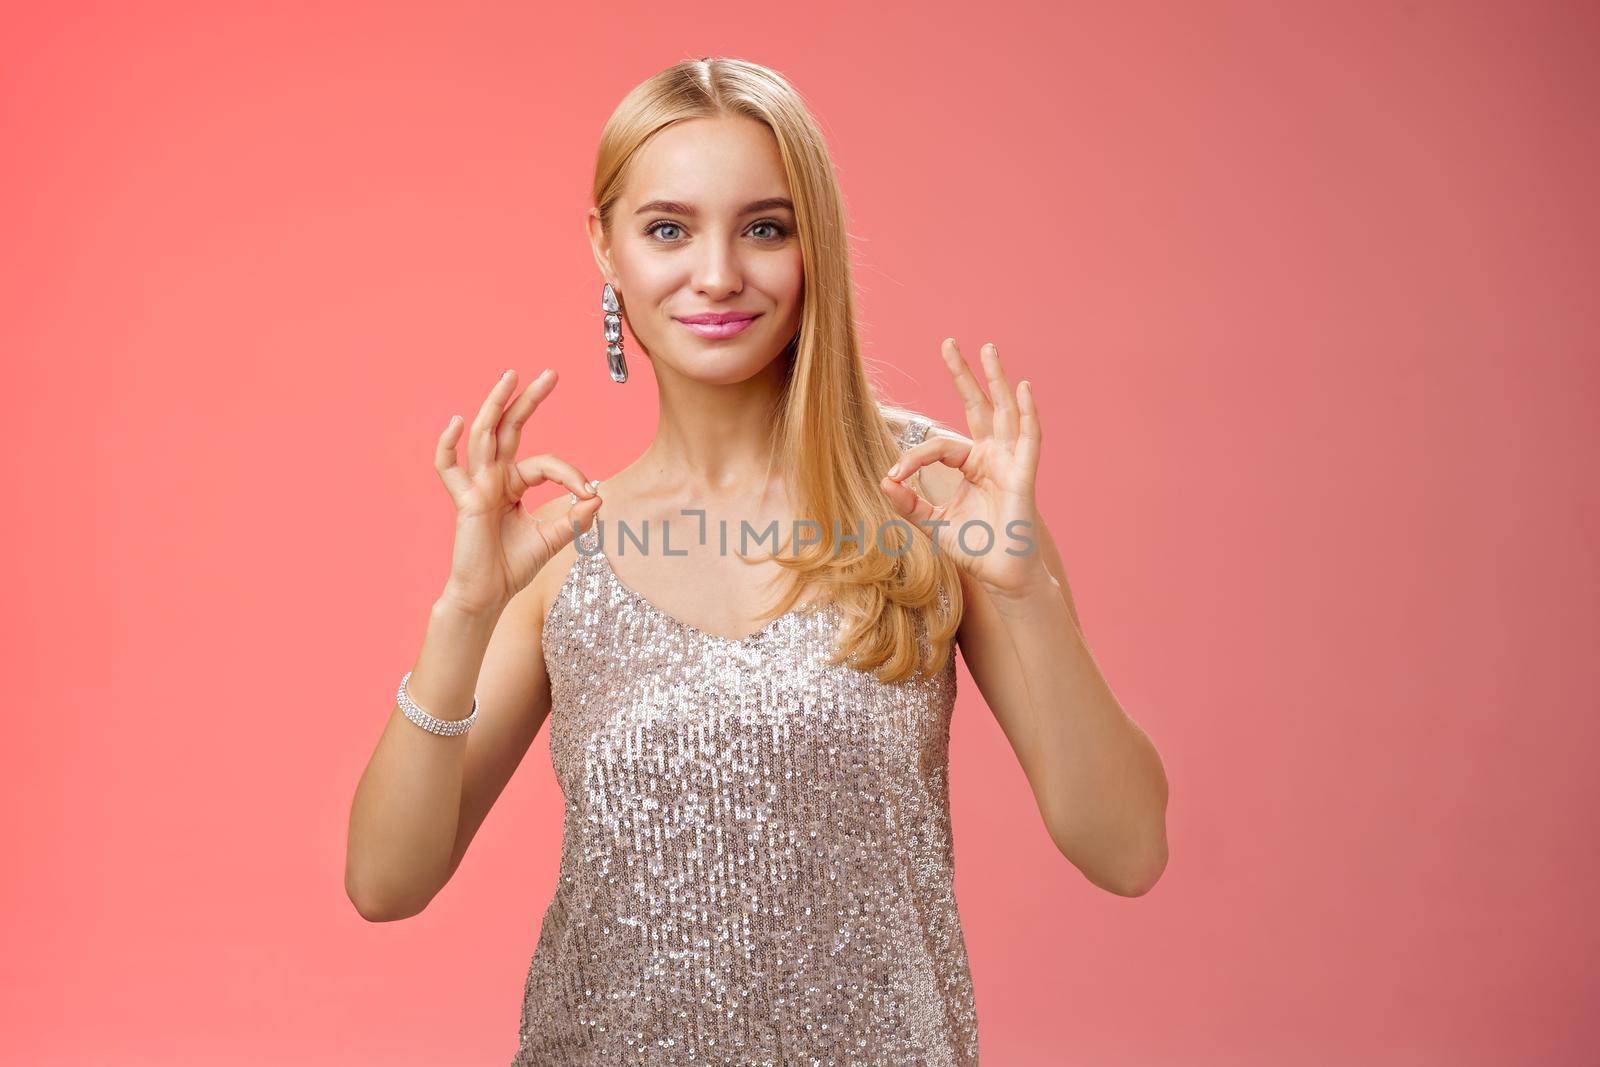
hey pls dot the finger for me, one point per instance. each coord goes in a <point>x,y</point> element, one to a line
<point>1005,402</point>
<point>536,470</point>
<point>565,530</point>
<point>980,419</point>
<point>907,501</point>
<point>444,459</point>
<point>481,440</point>
<point>951,451</point>
<point>1030,437</point>
<point>509,438</point>
<point>557,535</point>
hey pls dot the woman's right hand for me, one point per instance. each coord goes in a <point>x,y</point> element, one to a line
<point>499,547</point>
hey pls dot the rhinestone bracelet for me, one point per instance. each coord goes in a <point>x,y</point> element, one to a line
<point>442,727</point>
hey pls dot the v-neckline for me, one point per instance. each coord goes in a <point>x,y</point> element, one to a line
<point>650,607</point>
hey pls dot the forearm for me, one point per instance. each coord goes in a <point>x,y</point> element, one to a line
<point>1100,784</point>
<point>407,805</point>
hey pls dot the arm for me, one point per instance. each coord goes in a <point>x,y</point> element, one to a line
<point>423,797</point>
<point>1097,779</point>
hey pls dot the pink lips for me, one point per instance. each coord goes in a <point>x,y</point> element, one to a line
<point>718,325</point>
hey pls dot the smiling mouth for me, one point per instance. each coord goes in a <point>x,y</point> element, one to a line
<point>716,331</point>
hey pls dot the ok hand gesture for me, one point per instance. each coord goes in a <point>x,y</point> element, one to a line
<point>499,547</point>
<point>998,467</point>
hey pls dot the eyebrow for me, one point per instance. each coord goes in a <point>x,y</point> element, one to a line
<point>675,207</point>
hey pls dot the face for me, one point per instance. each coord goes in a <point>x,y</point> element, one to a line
<point>691,237</point>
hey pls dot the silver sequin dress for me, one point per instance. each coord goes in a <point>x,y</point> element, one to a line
<point>756,860</point>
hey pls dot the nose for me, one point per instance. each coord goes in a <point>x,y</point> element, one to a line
<point>717,271</point>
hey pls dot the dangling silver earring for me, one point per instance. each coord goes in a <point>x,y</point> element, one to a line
<point>618,365</point>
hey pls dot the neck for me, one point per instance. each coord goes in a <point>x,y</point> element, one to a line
<point>713,442</point>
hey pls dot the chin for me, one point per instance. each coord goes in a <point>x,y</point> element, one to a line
<point>722,368</point>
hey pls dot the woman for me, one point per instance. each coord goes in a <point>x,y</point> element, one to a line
<point>756,863</point>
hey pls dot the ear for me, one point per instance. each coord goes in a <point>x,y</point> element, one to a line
<point>600,245</point>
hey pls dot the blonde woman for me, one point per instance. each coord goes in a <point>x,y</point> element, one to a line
<point>756,863</point>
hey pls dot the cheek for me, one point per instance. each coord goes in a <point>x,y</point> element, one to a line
<point>784,279</point>
<point>650,281</point>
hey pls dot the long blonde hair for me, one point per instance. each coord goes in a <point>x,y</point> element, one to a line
<point>831,433</point>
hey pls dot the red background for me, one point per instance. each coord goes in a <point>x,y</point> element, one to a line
<point>1307,295</point>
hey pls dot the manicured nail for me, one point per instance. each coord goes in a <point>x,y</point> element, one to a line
<point>894,471</point>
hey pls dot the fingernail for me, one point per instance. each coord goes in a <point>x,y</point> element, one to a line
<point>894,471</point>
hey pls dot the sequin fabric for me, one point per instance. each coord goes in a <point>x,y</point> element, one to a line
<point>756,861</point>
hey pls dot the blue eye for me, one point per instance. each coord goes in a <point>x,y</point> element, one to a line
<point>655,228</point>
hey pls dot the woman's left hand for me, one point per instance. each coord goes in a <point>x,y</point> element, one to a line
<point>998,467</point>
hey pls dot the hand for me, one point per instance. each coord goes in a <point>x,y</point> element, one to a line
<point>998,468</point>
<point>499,547</point>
